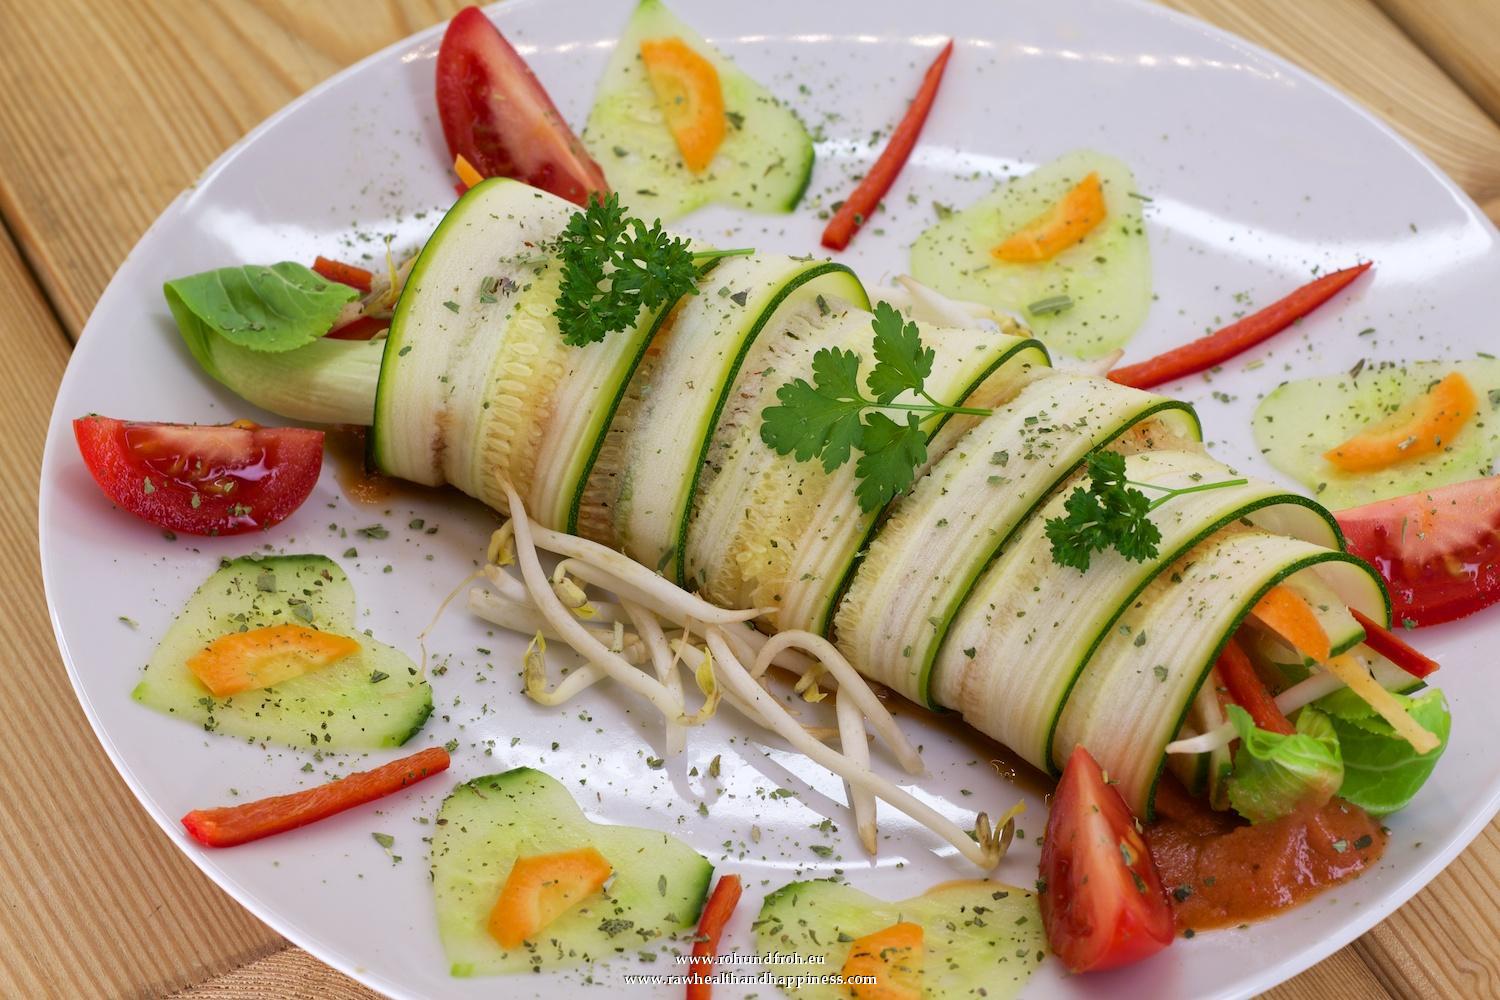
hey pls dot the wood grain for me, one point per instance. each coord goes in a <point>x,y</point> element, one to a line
<point>1461,36</point>
<point>153,93</point>
<point>104,905</point>
<point>1356,47</point>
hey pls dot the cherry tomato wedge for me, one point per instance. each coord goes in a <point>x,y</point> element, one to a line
<point>497,116</point>
<point>1439,550</point>
<point>1102,900</point>
<point>202,479</point>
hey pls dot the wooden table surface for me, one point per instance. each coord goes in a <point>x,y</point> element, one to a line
<point>111,109</point>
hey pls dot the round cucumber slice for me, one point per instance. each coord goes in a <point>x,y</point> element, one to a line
<point>1029,625</point>
<point>374,698</point>
<point>1299,421</point>
<point>979,939</point>
<point>1104,280</point>
<point>928,554</point>
<point>763,165</point>
<point>1135,691</point>
<point>658,886</point>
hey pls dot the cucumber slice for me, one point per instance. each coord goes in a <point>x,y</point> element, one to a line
<point>1106,276</point>
<point>980,939</point>
<point>927,556</point>
<point>325,382</point>
<point>374,698</point>
<point>769,531</point>
<point>647,475</point>
<point>1021,639</point>
<point>478,387</point>
<point>1134,693</point>
<point>1298,421</point>
<point>763,165</point>
<point>658,886</point>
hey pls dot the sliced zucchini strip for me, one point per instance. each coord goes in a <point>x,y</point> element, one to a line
<point>770,531</point>
<point>478,386</point>
<point>667,424</point>
<point>1030,624</point>
<point>940,537</point>
<point>1134,693</point>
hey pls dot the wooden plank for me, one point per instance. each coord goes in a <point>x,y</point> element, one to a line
<point>125,104</point>
<point>1461,36</point>
<point>1342,974</point>
<point>289,974</point>
<point>1354,46</point>
<point>97,901</point>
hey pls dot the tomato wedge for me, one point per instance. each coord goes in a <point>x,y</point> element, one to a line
<point>202,479</point>
<point>1439,550</point>
<point>1102,900</point>
<point>497,116</point>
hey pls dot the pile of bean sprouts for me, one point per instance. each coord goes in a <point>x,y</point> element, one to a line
<point>647,632</point>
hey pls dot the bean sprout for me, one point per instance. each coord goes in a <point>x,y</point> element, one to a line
<point>853,742</point>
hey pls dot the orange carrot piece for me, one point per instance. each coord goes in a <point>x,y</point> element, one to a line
<point>261,657</point>
<point>1420,428</point>
<point>1284,612</point>
<point>541,888</point>
<point>691,97</point>
<point>893,957</point>
<point>1066,223</point>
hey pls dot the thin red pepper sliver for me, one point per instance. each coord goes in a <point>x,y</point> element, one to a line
<point>721,903</point>
<point>1390,646</point>
<point>1248,691</point>
<point>231,825</point>
<point>359,329</point>
<point>856,211</point>
<point>344,274</point>
<point>1220,346</point>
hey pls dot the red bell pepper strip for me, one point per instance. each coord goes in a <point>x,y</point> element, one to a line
<point>1383,641</point>
<point>725,897</point>
<point>856,211</point>
<point>1237,337</point>
<point>359,329</point>
<point>231,825</point>
<point>344,274</point>
<point>1248,691</point>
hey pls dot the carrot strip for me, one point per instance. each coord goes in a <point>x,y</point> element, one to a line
<point>1423,427</point>
<point>860,205</point>
<point>1284,612</point>
<point>1359,680</point>
<point>1389,645</point>
<point>1247,691</point>
<point>466,172</point>
<point>343,274</point>
<point>1237,337</point>
<point>231,825</point>
<point>1065,224</point>
<point>716,912</point>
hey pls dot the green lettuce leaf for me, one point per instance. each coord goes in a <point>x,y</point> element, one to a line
<point>1276,774</point>
<point>272,309</point>
<point>1381,770</point>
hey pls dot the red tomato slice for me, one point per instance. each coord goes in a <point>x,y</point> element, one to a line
<point>496,115</point>
<point>1102,901</point>
<point>202,479</point>
<point>1439,551</point>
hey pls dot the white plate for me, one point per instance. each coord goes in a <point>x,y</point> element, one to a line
<point>1259,174</point>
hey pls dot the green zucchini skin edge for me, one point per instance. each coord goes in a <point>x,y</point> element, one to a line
<point>679,545</point>
<point>847,580</point>
<point>1276,578</point>
<point>395,337</point>
<point>924,679</point>
<point>576,504</point>
<point>1207,532</point>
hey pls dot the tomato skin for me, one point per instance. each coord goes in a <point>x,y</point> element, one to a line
<point>244,477</point>
<point>1439,550</point>
<point>496,114</point>
<point>1101,910</point>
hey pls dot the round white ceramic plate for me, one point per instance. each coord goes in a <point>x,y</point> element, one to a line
<point>1258,175</point>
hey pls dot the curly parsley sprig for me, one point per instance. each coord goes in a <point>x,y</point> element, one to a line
<point>613,266</point>
<point>832,417</point>
<point>1113,513</point>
